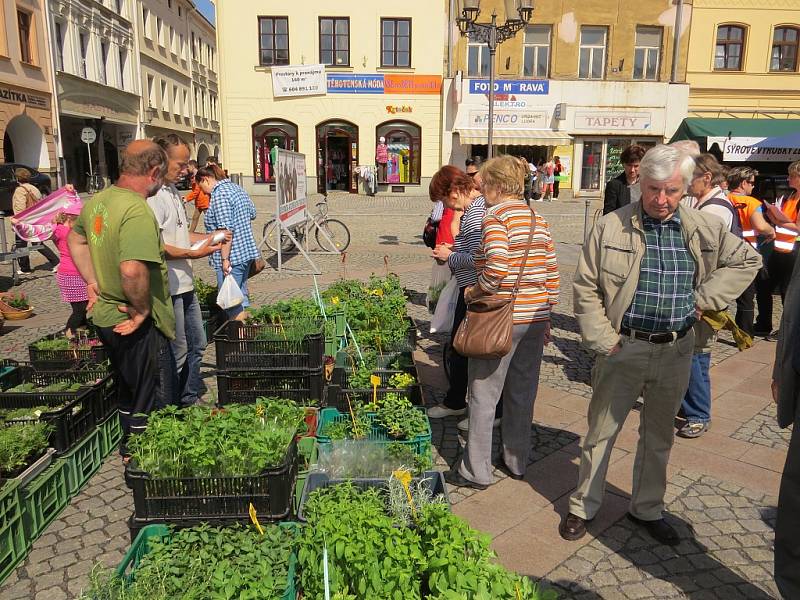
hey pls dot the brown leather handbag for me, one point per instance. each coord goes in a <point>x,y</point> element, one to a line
<point>488,325</point>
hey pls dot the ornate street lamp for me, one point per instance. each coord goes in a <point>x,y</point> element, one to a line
<point>518,14</point>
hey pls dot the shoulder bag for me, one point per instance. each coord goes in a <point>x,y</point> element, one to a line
<point>429,233</point>
<point>488,325</point>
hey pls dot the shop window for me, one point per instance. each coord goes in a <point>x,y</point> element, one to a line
<point>337,156</point>
<point>395,42</point>
<point>334,41</point>
<point>784,49</point>
<point>536,52</point>
<point>273,41</point>
<point>24,28</point>
<point>267,135</point>
<point>590,165</point>
<point>403,150</point>
<point>647,53</point>
<point>729,48</point>
<point>592,61</point>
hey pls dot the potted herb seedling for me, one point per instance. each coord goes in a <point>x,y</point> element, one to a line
<point>15,306</point>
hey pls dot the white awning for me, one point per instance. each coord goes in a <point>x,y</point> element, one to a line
<point>516,137</point>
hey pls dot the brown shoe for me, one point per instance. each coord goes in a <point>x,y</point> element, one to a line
<point>573,527</point>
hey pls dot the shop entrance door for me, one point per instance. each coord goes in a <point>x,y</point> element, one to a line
<point>337,157</point>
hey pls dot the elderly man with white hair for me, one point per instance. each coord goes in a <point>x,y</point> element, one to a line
<point>644,277</point>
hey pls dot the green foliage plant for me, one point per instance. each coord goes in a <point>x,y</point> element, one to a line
<point>20,444</point>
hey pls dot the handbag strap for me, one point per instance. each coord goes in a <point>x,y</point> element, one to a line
<point>525,258</point>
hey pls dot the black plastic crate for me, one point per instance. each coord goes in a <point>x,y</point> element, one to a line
<point>341,376</point>
<point>434,482</point>
<point>210,498</point>
<point>338,397</point>
<point>237,347</point>
<point>66,359</point>
<point>244,387</point>
<point>82,410</point>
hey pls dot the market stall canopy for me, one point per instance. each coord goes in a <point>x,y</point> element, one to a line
<point>515,137</point>
<point>762,140</point>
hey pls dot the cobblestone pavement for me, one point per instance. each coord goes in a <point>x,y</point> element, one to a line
<point>93,528</point>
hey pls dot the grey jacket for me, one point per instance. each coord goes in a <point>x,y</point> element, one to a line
<point>608,271</point>
<point>786,372</point>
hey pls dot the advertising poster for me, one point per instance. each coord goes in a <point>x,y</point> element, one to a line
<point>290,185</point>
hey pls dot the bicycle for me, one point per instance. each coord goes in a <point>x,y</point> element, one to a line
<point>94,182</point>
<point>337,231</point>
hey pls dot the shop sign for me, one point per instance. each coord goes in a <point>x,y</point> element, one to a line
<point>412,84</point>
<point>15,97</point>
<point>298,80</point>
<point>355,84</point>
<point>510,86</point>
<point>508,119</point>
<point>739,149</point>
<point>602,120</point>
<point>393,110</point>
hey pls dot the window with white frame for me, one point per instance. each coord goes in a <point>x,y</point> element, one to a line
<point>176,106</point>
<point>164,97</point>
<point>185,104</point>
<point>536,51</point>
<point>151,91</point>
<point>647,53</point>
<point>83,68</point>
<point>592,58</point>
<point>160,31</point>
<point>146,24</point>
<point>183,47</point>
<point>172,44</point>
<point>101,75</point>
<point>59,33</point>
<point>123,67</point>
<point>477,59</point>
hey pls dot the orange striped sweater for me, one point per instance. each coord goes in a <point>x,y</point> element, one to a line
<point>505,234</point>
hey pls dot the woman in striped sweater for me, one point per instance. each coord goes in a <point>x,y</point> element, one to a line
<point>505,232</point>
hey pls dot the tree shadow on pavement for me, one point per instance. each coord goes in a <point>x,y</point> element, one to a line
<point>573,360</point>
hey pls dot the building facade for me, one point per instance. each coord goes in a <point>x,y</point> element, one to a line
<point>744,78</point>
<point>205,91</point>
<point>582,81</point>
<point>26,98</point>
<point>330,83</point>
<point>96,80</point>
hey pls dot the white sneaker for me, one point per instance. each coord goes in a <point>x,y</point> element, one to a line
<point>440,411</point>
<point>463,424</point>
<point>55,269</point>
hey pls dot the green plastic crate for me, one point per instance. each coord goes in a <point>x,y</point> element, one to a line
<point>141,546</point>
<point>421,445</point>
<point>83,461</point>
<point>110,434</point>
<point>13,543</point>
<point>44,499</point>
<point>309,452</point>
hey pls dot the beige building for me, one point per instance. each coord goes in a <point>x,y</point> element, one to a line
<point>328,81</point>
<point>744,78</point>
<point>26,107</point>
<point>582,81</point>
<point>205,92</point>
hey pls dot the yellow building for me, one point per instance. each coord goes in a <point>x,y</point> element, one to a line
<point>743,73</point>
<point>330,82</point>
<point>581,81</point>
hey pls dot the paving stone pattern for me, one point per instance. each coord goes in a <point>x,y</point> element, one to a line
<point>725,551</point>
<point>763,429</point>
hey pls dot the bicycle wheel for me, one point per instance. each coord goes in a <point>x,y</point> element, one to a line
<point>337,232</point>
<point>272,231</point>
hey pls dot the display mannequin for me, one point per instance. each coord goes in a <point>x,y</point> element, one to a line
<point>381,158</point>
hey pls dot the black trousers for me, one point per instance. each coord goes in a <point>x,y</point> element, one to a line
<point>456,397</point>
<point>25,261</point>
<point>778,274</point>
<point>746,310</point>
<point>145,372</point>
<point>787,527</point>
<point>556,183</point>
<point>78,316</point>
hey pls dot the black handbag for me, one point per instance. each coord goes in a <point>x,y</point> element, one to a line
<point>429,233</point>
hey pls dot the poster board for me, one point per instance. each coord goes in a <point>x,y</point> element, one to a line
<point>290,186</point>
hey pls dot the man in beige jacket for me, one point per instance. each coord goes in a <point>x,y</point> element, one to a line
<point>645,275</point>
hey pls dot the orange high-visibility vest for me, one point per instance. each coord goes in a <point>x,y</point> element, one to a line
<point>746,206</point>
<point>784,237</point>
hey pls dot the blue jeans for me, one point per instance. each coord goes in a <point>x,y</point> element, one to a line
<point>188,346</point>
<point>239,273</point>
<point>697,400</point>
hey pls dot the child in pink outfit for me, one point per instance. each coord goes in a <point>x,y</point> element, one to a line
<point>70,282</point>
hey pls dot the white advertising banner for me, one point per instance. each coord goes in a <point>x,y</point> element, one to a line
<point>508,119</point>
<point>740,149</point>
<point>590,120</point>
<point>290,185</point>
<point>299,80</point>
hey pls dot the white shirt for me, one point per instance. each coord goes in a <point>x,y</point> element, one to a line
<point>713,209</point>
<point>170,213</point>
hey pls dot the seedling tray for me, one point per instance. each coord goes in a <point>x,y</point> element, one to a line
<point>341,377</point>
<point>238,347</point>
<point>215,497</point>
<point>39,464</point>
<point>67,358</point>
<point>421,445</point>
<point>80,410</point>
<point>434,481</point>
<point>141,546</point>
<point>244,387</point>
<point>338,397</point>
<point>44,498</point>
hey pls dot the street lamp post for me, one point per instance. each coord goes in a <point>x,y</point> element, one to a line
<point>493,35</point>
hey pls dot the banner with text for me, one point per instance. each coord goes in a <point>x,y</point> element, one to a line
<point>290,185</point>
<point>510,86</point>
<point>739,149</point>
<point>298,80</point>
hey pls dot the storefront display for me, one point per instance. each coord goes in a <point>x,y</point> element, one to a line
<point>269,135</point>
<point>403,143</point>
<point>337,156</point>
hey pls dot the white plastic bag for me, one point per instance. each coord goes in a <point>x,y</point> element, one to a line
<point>440,275</point>
<point>229,294</point>
<point>442,320</point>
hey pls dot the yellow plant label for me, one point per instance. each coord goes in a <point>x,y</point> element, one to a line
<point>404,477</point>
<point>375,381</point>
<point>254,518</point>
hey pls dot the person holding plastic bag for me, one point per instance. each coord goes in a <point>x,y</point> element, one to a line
<point>458,191</point>
<point>230,209</point>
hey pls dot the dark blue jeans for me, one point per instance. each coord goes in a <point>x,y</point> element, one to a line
<point>697,400</point>
<point>188,346</point>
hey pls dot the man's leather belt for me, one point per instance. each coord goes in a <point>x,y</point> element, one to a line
<point>654,338</point>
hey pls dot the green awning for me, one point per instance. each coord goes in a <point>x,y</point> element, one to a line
<point>695,128</point>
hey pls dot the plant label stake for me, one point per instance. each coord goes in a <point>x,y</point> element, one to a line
<point>404,477</point>
<point>375,381</point>
<point>386,264</point>
<point>325,572</point>
<point>344,265</point>
<point>356,430</point>
<point>254,518</point>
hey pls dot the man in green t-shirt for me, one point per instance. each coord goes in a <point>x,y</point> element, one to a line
<point>116,245</point>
